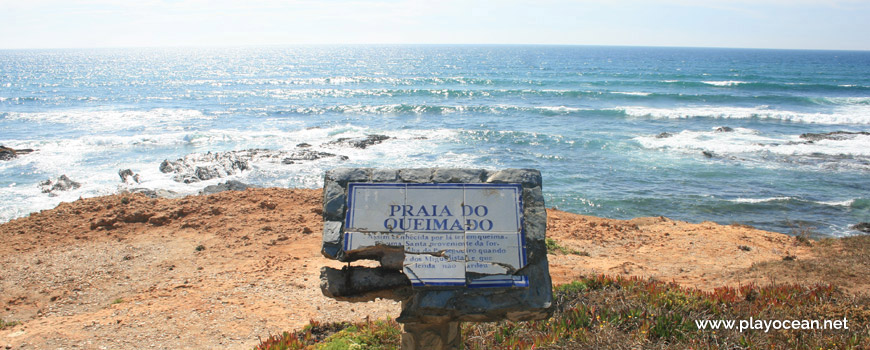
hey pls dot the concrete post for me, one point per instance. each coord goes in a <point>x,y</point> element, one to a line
<point>431,336</point>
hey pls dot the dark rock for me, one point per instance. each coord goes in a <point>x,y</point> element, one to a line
<point>158,193</point>
<point>231,185</point>
<point>357,283</point>
<point>863,227</point>
<point>664,135</point>
<point>707,154</point>
<point>7,153</point>
<point>62,183</point>
<point>459,175</point>
<point>724,129</point>
<point>304,155</point>
<point>303,145</point>
<point>127,176</point>
<point>836,135</point>
<point>360,142</point>
<point>196,167</point>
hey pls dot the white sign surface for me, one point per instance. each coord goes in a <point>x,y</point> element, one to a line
<point>453,234</point>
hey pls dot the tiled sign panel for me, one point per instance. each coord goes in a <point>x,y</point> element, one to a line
<point>453,234</point>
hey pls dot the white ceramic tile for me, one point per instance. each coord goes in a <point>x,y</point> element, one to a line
<point>448,245</point>
<point>434,208</point>
<point>357,240</point>
<point>485,268</point>
<point>493,208</point>
<point>371,206</point>
<point>503,249</point>
<point>428,270</point>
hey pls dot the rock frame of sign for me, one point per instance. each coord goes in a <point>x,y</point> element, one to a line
<point>526,296</point>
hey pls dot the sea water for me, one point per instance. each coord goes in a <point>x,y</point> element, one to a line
<point>620,132</point>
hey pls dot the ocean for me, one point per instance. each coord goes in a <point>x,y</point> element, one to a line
<point>776,139</point>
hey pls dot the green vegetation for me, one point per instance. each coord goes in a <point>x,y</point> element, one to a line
<point>4,324</point>
<point>369,335</point>
<point>631,313</point>
<point>554,247</point>
<point>117,301</point>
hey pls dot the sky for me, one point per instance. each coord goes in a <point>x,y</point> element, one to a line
<point>777,24</point>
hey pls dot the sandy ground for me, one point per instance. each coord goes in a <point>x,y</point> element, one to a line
<point>219,271</point>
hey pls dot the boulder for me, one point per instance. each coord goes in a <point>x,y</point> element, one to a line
<point>62,183</point>
<point>836,135</point>
<point>360,142</point>
<point>127,176</point>
<point>7,153</point>
<point>231,185</point>
<point>862,226</point>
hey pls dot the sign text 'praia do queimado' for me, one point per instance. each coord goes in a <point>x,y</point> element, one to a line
<point>452,234</point>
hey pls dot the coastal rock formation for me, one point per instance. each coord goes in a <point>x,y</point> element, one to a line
<point>127,176</point>
<point>836,135</point>
<point>7,153</point>
<point>306,154</point>
<point>863,227</point>
<point>231,185</point>
<point>197,167</point>
<point>62,183</point>
<point>724,129</point>
<point>360,142</point>
<point>151,193</point>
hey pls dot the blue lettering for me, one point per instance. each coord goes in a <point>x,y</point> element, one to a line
<point>487,223</point>
<point>422,211</point>
<point>467,210</point>
<point>477,211</point>
<point>439,224</point>
<point>443,211</point>
<point>390,224</point>
<point>394,208</point>
<point>468,225</point>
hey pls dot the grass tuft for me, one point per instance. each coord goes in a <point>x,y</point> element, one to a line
<point>6,324</point>
<point>553,247</point>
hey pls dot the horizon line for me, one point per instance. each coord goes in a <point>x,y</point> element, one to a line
<point>419,44</point>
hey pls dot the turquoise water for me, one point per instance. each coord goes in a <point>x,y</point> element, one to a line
<point>590,118</point>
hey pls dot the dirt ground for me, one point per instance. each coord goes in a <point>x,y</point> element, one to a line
<point>219,271</point>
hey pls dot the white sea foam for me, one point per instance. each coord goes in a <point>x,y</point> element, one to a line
<point>725,83</point>
<point>748,143</point>
<point>845,203</point>
<point>759,200</point>
<point>841,115</point>
<point>106,120</point>
<point>84,160</point>
<point>631,93</point>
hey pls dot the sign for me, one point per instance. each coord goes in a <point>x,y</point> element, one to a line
<point>453,234</point>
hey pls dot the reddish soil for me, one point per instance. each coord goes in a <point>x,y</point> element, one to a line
<point>219,271</point>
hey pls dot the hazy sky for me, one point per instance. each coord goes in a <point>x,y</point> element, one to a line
<point>800,24</point>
